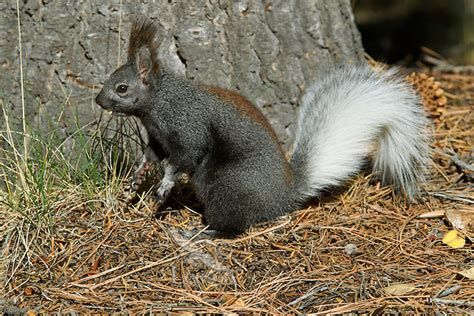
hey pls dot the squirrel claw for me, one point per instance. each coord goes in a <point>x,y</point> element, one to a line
<point>135,186</point>
<point>163,192</point>
<point>140,175</point>
<point>161,196</point>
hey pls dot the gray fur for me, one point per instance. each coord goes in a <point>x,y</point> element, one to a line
<point>236,165</point>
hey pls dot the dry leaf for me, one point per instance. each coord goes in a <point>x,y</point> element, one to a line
<point>28,291</point>
<point>450,236</point>
<point>459,242</point>
<point>453,240</point>
<point>469,273</point>
<point>399,289</point>
<point>95,265</point>
<point>462,219</point>
<point>433,214</point>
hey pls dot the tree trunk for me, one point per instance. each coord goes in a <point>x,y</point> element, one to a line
<point>269,51</point>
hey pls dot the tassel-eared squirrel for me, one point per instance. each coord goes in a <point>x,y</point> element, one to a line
<point>232,154</point>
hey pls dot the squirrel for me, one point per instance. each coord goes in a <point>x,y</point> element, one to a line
<point>232,154</point>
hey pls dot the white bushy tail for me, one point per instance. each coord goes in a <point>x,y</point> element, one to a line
<point>351,114</point>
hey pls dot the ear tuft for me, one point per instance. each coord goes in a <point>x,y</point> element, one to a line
<point>143,47</point>
<point>144,64</point>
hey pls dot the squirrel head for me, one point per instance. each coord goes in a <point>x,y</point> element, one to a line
<point>127,88</point>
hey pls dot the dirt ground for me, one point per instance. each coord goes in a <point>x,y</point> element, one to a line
<point>361,249</point>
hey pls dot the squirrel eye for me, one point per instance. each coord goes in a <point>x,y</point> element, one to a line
<point>121,88</point>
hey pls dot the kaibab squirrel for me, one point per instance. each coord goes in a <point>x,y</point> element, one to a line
<point>232,154</point>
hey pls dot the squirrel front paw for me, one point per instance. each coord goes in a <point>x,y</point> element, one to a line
<point>166,184</point>
<point>163,192</point>
<point>139,176</point>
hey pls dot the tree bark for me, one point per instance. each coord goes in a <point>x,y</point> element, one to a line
<point>268,51</point>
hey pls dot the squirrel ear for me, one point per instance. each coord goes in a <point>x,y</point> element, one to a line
<point>144,64</point>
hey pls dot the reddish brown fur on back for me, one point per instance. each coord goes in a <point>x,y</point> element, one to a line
<point>243,105</point>
<point>142,35</point>
<point>247,108</point>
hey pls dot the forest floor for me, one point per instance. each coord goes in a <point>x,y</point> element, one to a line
<point>361,249</point>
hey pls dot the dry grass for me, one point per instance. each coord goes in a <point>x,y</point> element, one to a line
<point>104,255</point>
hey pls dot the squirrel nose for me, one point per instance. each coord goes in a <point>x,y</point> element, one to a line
<point>104,101</point>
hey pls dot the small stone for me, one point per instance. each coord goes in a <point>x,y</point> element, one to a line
<point>350,249</point>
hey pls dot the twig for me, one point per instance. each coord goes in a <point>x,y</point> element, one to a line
<point>119,60</point>
<point>72,296</point>
<point>450,302</point>
<point>451,290</point>
<point>452,197</point>
<point>76,283</point>
<point>259,233</point>
<point>148,266</point>
<point>187,293</point>
<point>315,289</point>
<point>22,89</point>
<point>461,164</point>
<point>94,251</point>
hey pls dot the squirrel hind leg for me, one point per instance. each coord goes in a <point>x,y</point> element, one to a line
<point>231,208</point>
<point>226,220</point>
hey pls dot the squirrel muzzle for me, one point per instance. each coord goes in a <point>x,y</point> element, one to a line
<point>104,102</point>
